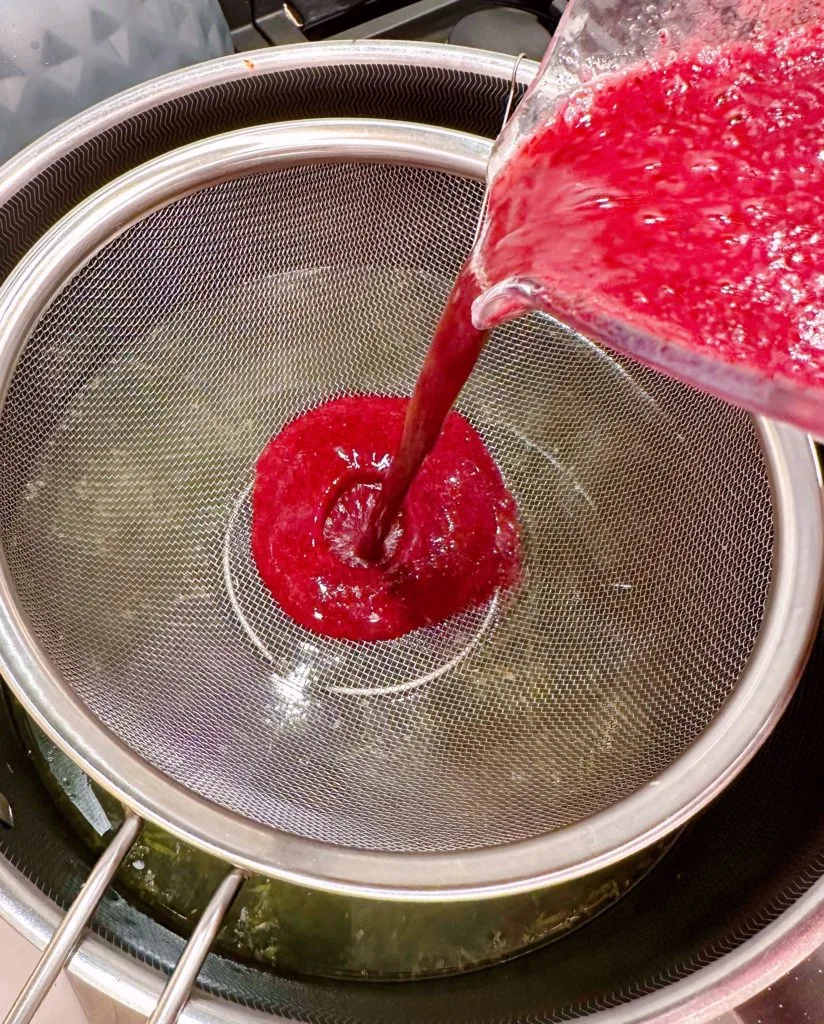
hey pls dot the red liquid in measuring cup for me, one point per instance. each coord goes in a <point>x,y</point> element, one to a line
<point>686,199</point>
<point>454,544</point>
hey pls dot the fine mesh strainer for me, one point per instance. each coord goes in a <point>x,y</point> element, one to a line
<point>150,345</point>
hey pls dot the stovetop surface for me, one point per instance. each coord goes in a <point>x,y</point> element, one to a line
<point>520,26</point>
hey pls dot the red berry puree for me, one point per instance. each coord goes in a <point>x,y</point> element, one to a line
<point>454,543</point>
<point>686,198</point>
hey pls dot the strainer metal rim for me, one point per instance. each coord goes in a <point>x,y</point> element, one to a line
<point>654,811</point>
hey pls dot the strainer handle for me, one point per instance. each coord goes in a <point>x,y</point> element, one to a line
<point>176,993</point>
<point>66,937</point>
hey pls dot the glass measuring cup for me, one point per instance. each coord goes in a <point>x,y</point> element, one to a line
<point>598,38</point>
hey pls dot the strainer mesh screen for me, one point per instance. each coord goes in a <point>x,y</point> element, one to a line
<point>129,435</point>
